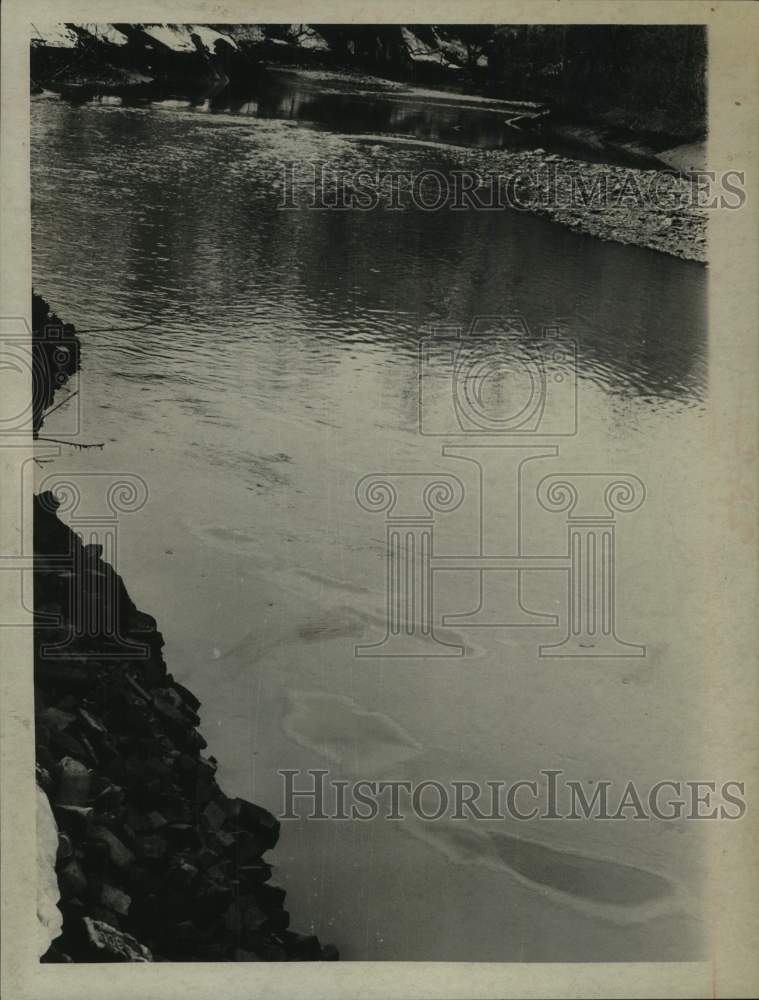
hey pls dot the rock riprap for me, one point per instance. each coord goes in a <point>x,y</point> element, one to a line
<point>154,862</point>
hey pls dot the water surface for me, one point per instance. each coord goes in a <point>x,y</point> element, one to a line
<point>252,365</point>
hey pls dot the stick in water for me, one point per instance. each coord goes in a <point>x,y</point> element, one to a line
<point>73,444</point>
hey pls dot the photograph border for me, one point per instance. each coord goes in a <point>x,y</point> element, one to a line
<point>727,512</point>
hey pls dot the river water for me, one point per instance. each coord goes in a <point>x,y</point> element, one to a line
<point>254,366</point>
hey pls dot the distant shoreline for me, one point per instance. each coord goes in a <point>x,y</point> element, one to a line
<point>628,117</point>
<point>548,181</point>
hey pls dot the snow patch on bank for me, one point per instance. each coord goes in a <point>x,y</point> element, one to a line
<point>209,37</point>
<point>55,36</point>
<point>307,37</point>
<point>106,33</point>
<point>419,51</point>
<point>174,36</point>
<point>179,37</point>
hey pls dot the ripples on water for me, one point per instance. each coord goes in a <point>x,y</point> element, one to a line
<point>191,242</point>
<point>262,361</point>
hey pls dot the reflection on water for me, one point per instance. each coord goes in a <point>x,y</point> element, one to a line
<point>252,364</point>
<point>372,278</point>
<point>288,97</point>
<point>342,106</point>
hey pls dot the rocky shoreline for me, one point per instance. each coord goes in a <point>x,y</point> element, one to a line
<point>153,862</point>
<point>657,209</point>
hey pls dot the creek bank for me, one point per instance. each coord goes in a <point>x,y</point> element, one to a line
<point>148,62</point>
<point>154,861</point>
<point>656,209</point>
<point>647,81</point>
<point>606,138</point>
<point>640,148</point>
<point>651,208</point>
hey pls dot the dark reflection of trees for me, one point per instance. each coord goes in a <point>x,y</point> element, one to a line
<point>235,267</point>
<point>638,315</point>
<point>288,99</point>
